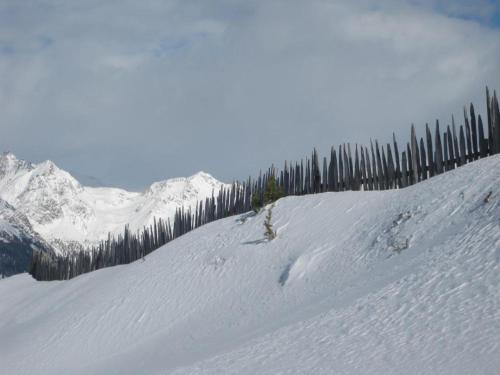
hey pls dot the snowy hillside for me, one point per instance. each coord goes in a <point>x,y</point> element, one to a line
<point>17,241</point>
<point>64,212</point>
<point>389,282</point>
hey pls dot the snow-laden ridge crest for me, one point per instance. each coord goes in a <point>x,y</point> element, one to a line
<point>65,212</point>
<point>183,186</point>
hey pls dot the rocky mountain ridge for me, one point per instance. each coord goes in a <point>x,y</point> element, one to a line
<point>17,241</point>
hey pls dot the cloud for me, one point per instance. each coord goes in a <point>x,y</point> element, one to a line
<point>127,62</point>
<point>483,10</point>
<point>132,92</point>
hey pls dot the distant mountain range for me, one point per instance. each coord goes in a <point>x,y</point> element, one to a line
<point>69,216</point>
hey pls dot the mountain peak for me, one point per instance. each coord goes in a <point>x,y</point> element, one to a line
<point>48,167</point>
<point>200,182</point>
<point>9,164</point>
<point>48,164</point>
<point>53,178</point>
<point>202,175</point>
<point>8,154</point>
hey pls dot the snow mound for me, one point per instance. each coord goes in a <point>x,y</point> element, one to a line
<point>388,282</point>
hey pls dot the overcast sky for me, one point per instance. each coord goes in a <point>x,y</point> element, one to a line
<point>136,91</point>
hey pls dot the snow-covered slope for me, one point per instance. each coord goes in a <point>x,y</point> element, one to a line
<point>68,214</point>
<point>392,282</point>
<point>17,241</point>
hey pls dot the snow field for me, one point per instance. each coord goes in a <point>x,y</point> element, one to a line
<point>394,282</point>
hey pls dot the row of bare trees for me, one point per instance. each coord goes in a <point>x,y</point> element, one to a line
<point>348,168</point>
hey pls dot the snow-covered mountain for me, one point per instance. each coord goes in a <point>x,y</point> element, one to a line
<point>384,282</point>
<point>69,215</point>
<point>17,241</point>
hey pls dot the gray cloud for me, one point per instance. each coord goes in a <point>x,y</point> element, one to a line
<point>132,92</point>
<point>483,10</point>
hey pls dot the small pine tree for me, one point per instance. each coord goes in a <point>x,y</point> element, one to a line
<point>270,233</point>
<point>270,195</point>
<point>272,192</point>
<point>256,206</point>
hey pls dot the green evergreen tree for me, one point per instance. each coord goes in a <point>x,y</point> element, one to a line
<point>256,206</point>
<point>272,192</point>
<point>269,233</point>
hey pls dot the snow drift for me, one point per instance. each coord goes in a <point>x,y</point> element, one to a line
<point>401,281</point>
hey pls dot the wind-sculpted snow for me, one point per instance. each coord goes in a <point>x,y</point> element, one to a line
<point>72,216</point>
<point>388,282</point>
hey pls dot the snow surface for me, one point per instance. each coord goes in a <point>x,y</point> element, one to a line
<point>392,282</point>
<point>64,212</point>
